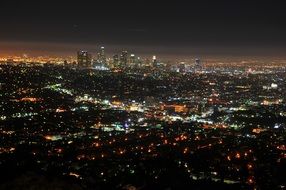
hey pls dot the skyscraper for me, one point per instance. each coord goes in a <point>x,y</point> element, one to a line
<point>139,62</point>
<point>123,58</point>
<point>132,59</point>
<point>198,65</point>
<point>182,68</point>
<point>115,60</point>
<point>83,59</point>
<point>154,61</point>
<point>101,58</point>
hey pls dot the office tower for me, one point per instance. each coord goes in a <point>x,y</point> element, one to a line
<point>83,59</point>
<point>154,61</point>
<point>123,58</point>
<point>198,65</point>
<point>132,59</point>
<point>101,58</point>
<point>138,62</point>
<point>198,62</point>
<point>182,68</point>
<point>115,60</point>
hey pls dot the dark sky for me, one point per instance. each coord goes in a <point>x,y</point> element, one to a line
<point>214,26</point>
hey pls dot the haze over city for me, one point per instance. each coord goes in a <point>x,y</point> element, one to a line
<point>147,27</point>
<point>142,94</point>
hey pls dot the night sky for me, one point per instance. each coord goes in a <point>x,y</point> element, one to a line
<point>163,27</point>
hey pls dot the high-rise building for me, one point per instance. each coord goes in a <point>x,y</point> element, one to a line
<point>84,59</point>
<point>182,67</point>
<point>132,59</point>
<point>198,65</point>
<point>138,62</point>
<point>115,60</point>
<point>154,61</point>
<point>101,58</point>
<point>197,62</point>
<point>123,58</point>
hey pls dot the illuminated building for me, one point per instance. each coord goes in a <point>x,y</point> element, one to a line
<point>100,66</point>
<point>132,59</point>
<point>101,58</point>
<point>154,61</point>
<point>198,65</point>
<point>174,108</point>
<point>84,58</point>
<point>123,58</point>
<point>182,67</point>
<point>139,62</point>
<point>115,60</point>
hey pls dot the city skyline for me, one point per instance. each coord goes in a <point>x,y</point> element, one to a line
<point>68,49</point>
<point>142,94</point>
<point>178,28</point>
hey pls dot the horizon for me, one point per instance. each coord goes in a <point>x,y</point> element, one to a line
<point>56,49</point>
<point>143,94</point>
<point>168,29</point>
